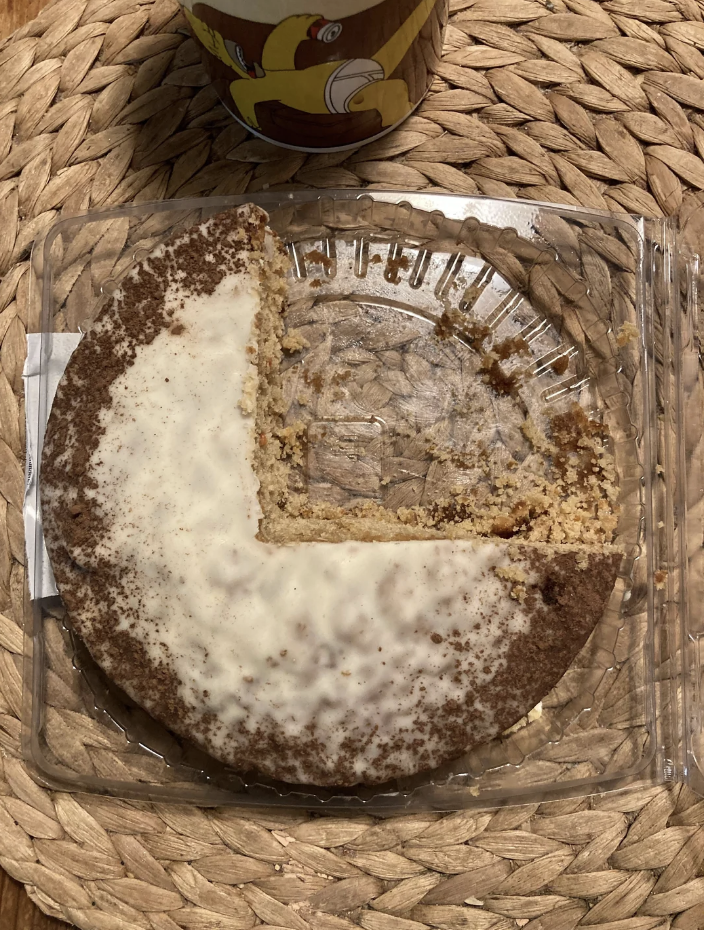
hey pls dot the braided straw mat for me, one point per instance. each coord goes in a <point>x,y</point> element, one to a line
<point>105,102</point>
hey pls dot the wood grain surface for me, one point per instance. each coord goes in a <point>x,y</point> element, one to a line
<point>15,13</point>
<point>17,912</point>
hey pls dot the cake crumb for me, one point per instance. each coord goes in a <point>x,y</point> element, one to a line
<point>660,580</point>
<point>319,258</point>
<point>394,265</point>
<point>511,573</point>
<point>292,441</point>
<point>294,341</point>
<point>248,401</point>
<point>626,333</point>
<point>560,365</point>
<point>510,347</point>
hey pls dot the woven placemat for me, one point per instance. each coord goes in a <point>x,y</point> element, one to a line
<point>105,102</point>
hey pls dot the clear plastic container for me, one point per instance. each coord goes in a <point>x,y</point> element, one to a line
<point>608,307</point>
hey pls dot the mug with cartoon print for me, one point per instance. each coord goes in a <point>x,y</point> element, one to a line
<point>319,75</point>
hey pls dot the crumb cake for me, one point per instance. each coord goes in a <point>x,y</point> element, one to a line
<point>288,606</point>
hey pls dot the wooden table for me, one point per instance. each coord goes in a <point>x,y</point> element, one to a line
<point>16,910</point>
<point>13,14</point>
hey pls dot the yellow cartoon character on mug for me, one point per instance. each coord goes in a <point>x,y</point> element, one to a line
<point>342,86</point>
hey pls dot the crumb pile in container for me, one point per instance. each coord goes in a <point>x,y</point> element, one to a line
<point>327,546</point>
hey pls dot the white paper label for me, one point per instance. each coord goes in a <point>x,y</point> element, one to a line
<point>61,347</point>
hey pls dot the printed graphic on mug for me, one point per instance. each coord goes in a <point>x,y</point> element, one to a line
<point>320,74</point>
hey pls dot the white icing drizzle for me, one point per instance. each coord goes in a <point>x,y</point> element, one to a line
<point>324,631</point>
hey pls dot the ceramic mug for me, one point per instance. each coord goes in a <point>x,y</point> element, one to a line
<point>319,75</point>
